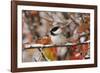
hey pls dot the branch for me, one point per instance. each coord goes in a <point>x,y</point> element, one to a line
<point>49,46</point>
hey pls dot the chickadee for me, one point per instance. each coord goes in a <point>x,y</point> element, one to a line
<point>58,39</point>
<point>57,36</point>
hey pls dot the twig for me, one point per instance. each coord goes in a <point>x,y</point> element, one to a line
<point>43,55</point>
<point>49,46</point>
<point>74,20</point>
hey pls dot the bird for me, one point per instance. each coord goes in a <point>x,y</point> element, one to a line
<point>58,38</point>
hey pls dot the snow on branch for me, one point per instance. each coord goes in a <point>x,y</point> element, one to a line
<point>48,46</point>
